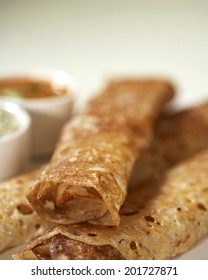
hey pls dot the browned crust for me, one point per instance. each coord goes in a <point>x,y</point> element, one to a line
<point>96,153</point>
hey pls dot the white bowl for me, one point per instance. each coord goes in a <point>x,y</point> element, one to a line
<point>15,146</point>
<point>48,113</point>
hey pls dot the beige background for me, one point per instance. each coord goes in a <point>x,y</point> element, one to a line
<point>94,40</point>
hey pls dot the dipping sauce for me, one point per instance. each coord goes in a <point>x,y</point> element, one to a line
<point>8,123</point>
<point>30,88</point>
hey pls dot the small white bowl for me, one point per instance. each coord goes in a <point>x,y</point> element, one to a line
<point>48,113</point>
<point>14,146</point>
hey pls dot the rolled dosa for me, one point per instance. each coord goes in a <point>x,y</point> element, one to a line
<point>19,223</point>
<point>177,136</point>
<point>88,175</point>
<point>189,126</point>
<point>159,220</point>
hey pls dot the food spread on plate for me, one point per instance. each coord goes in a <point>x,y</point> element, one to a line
<point>30,88</point>
<point>125,177</point>
<point>8,123</point>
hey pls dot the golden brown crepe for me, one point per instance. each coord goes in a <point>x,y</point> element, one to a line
<point>18,222</point>
<point>177,137</point>
<point>192,128</point>
<point>88,175</point>
<point>158,221</point>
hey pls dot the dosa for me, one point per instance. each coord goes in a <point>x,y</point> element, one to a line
<point>159,220</point>
<point>88,175</point>
<point>18,222</point>
<point>177,136</point>
<point>192,125</point>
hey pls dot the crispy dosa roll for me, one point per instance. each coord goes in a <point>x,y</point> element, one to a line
<point>88,174</point>
<point>159,220</point>
<point>19,223</point>
<point>177,136</point>
<point>190,127</point>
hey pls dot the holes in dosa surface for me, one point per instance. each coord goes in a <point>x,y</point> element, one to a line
<point>133,245</point>
<point>24,209</point>
<point>92,234</point>
<point>37,226</point>
<point>201,207</point>
<point>149,219</point>
<point>121,240</point>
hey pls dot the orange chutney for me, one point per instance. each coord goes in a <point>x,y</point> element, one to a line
<point>29,88</point>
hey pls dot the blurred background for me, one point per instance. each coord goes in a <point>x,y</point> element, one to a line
<point>95,40</point>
